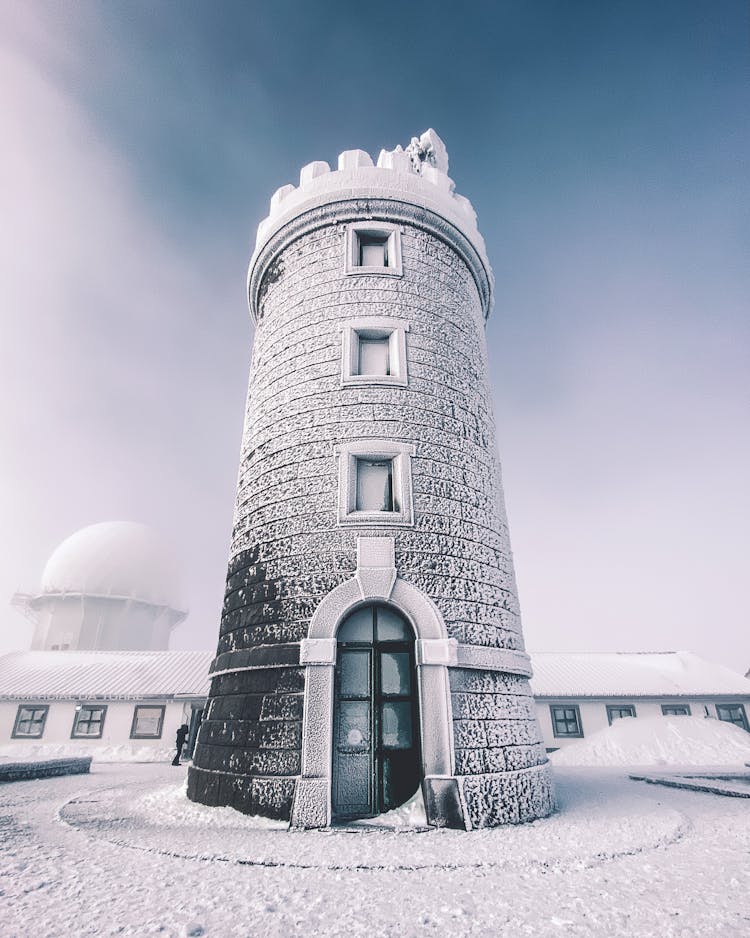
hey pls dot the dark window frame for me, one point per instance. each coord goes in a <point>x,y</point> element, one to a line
<point>42,723</point>
<point>158,735</point>
<point>743,724</point>
<point>612,707</point>
<point>683,708</point>
<point>80,707</point>
<point>576,718</point>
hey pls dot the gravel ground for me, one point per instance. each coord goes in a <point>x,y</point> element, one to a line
<point>121,852</point>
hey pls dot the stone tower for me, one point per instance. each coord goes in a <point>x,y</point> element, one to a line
<point>370,640</point>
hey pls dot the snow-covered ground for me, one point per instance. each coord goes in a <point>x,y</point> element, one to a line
<point>120,852</point>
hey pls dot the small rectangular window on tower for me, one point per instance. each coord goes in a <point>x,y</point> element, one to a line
<point>373,248</point>
<point>375,483</point>
<point>374,351</point>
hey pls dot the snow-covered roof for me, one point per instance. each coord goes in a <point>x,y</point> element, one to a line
<point>625,674</point>
<point>115,674</point>
<point>114,558</point>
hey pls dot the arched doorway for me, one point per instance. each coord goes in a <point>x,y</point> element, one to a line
<point>376,750</point>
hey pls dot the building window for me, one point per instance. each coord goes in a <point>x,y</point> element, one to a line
<point>88,721</point>
<point>30,722</point>
<point>619,711</point>
<point>566,721</point>
<point>375,483</point>
<point>675,710</point>
<point>373,248</point>
<point>732,713</point>
<point>147,722</point>
<point>374,351</point>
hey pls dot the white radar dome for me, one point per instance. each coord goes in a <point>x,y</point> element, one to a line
<point>115,558</point>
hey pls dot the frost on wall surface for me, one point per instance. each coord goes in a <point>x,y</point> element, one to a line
<point>288,550</point>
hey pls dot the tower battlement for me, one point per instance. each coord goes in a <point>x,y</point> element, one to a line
<point>415,175</point>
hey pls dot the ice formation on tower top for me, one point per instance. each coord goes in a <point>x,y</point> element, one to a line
<point>429,148</point>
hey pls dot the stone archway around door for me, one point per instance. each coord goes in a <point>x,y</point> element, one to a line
<point>376,581</point>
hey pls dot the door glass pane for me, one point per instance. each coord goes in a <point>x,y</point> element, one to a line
<point>353,787</point>
<point>354,726</point>
<point>373,355</point>
<point>358,627</point>
<point>374,485</point>
<point>400,777</point>
<point>396,725</point>
<point>391,627</point>
<point>355,673</point>
<point>395,673</point>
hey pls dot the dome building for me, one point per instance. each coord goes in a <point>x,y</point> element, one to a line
<point>371,642</point>
<point>110,586</point>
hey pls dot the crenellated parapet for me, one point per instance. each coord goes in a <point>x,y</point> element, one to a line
<point>403,180</point>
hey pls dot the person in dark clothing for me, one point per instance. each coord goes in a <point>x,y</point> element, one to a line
<point>182,735</point>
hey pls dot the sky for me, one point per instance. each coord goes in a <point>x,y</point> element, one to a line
<point>604,147</point>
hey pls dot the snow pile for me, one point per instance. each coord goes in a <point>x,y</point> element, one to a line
<point>38,752</point>
<point>171,805</point>
<point>661,741</point>
<point>410,814</point>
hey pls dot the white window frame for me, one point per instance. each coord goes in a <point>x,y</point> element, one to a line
<point>380,229</point>
<point>400,454</point>
<point>374,326</point>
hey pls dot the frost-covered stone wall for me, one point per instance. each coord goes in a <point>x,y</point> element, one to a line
<point>288,549</point>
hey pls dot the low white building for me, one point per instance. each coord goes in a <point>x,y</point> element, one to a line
<point>116,705</point>
<point>127,705</point>
<point>578,694</point>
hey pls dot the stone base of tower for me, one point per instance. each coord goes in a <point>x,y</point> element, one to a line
<point>267,797</point>
<point>501,763</point>
<point>248,750</point>
<point>507,798</point>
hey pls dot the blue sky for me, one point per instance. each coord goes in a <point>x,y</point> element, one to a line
<point>604,146</point>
